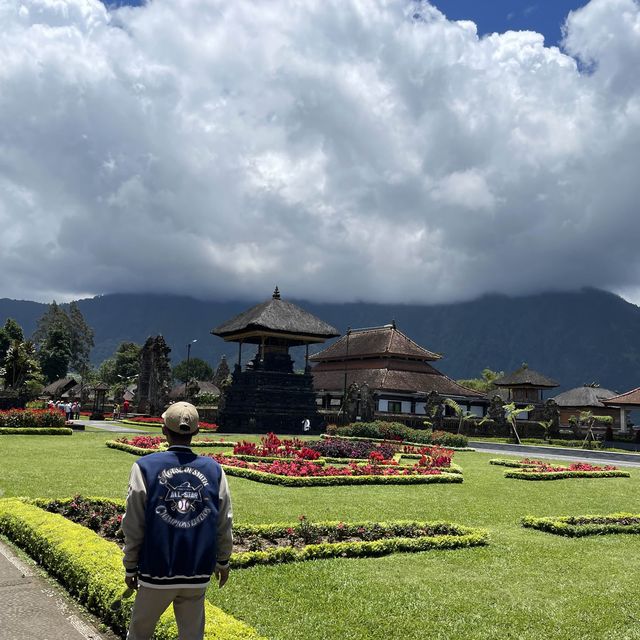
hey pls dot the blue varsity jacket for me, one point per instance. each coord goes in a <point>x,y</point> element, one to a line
<point>172,531</point>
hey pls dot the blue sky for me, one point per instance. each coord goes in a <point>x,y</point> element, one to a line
<point>543,16</point>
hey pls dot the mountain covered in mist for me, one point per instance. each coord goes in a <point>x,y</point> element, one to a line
<point>582,337</point>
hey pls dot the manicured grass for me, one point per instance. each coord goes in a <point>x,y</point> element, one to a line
<point>525,584</point>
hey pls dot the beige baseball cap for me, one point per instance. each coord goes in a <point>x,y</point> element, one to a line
<point>181,417</point>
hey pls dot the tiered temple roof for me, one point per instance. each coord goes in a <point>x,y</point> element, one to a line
<point>276,318</point>
<point>386,360</point>
<point>526,377</point>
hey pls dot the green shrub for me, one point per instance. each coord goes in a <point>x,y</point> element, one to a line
<point>562,475</point>
<point>332,481</point>
<point>36,431</point>
<point>31,419</point>
<point>578,526</point>
<point>379,429</point>
<point>91,570</point>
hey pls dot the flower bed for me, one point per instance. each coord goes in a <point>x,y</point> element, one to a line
<point>90,567</point>
<point>577,526</point>
<point>354,449</point>
<point>304,540</point>
<point>143,445</point>
<point>32,419</point>
<point>272,447</point>
<point>298,473</point>
<point>531,469</point>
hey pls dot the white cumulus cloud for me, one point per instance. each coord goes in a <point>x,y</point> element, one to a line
<point>343,149</point>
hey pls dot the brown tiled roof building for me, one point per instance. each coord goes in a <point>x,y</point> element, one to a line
<point>389,363</point>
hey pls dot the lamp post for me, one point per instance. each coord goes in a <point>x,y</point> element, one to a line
<point>188,358</point>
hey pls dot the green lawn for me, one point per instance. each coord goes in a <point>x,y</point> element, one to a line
<point>526,584</point>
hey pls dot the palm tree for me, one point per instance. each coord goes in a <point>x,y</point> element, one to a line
<point>462,415</point>
<point>511,413</point>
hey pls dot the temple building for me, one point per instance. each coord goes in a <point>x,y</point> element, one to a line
<point>587,398</point>
<point>379,372</point>
<point>268,395</point>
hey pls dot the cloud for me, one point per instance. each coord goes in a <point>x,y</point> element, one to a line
<point>361,149</point>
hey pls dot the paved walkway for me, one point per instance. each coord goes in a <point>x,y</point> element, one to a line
<point>559,453</point>
<point>32,608</point>
<point>110,426</point>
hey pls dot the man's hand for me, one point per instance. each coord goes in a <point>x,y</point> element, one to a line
<point>221,572</point>
<point>131,581</point>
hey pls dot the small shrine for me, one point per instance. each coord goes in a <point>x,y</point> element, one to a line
<point>268,395</point>
<point>524,385</point>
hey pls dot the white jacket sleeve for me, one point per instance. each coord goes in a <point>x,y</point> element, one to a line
<point>133,520</point>
<point>225,520</point>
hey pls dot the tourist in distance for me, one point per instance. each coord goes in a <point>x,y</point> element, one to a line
<point>177,530</point>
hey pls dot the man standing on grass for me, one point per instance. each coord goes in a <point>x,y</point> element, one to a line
<point>177,530</point>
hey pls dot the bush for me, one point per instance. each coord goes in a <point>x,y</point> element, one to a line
<point>31,419</point>
<point>577,526</point>
<point>35,431</point>
<point>336,448</point>
<point>400,432</point>
<point>91,570</point>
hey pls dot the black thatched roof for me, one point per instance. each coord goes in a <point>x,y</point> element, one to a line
<point>58,387</point>
<point>586,396</point>
<point>525,377</point>
<point>277,316</point>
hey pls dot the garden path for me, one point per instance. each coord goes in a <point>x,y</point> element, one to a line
<point>109,426</point>
<point>559,453</point>
<point>32,608</point>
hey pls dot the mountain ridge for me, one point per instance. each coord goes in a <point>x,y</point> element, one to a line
<point>577,337</point>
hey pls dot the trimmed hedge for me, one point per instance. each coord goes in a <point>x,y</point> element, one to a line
<point>562,475</point>
<point>138,451</point>
<point>399,431</point>
<point>91,570</point>
<point>445,536</point>
<point>328,481</point>
<point>327,436</point>
<point>578,526</point>
<point>507,462</point>
<point>36,431</point>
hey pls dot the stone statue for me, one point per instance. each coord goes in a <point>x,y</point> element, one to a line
<point>222,373</point>
<point>367,403</point>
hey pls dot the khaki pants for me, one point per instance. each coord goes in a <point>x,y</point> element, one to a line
<point>150,604</point>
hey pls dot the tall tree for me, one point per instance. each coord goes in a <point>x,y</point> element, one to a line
<point>21,369</point>
<point>123,366</point>
<point>198,369</point>
<point>11,332</point>
<point>81,338</point>
<point>74,326</point>
<point>55,354</point>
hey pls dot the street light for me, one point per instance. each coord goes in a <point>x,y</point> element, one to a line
<point>188,358</point>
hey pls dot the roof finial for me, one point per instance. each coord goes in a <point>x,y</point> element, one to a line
<point>276,293</point>
<point>393,323</point>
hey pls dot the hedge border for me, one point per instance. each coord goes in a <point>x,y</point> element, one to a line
<point>327,436</point>
<point>158,425</point>
<point>460,537</point>
<point>328,481</point>
<point>454,536</point>
<point>507,462</point>
<point>564,475</point>
<point>36,431</point>
<point>91,570</point>
<point>563,526</point>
